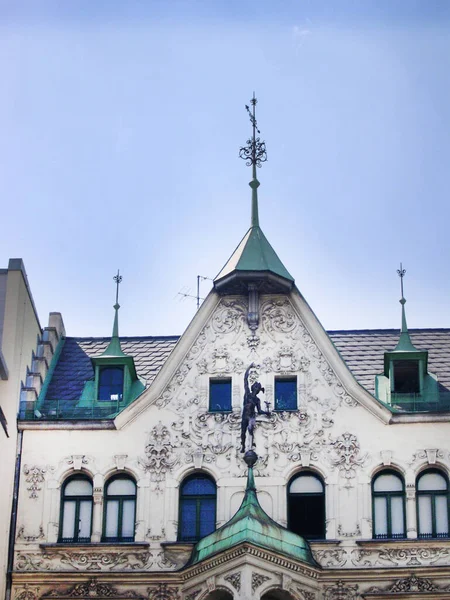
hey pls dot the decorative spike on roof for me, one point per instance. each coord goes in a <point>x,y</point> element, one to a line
<point>404,343</point>
<point>252,525</point>
<point>114,348</point>
<point>254,260</point>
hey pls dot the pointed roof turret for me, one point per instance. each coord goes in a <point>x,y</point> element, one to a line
<point>254,261</point>
<point>251,524</point>
<point>404,349</point>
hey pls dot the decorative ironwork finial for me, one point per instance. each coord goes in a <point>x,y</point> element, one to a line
<point>117,278</point>
<point>401,273</point>
<point>254,152</point>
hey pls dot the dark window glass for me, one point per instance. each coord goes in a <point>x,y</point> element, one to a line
<point>120,510</point>
<point>220,395</point>
<point>110,385</point>
<point>306,506</point>
<point>406,377</point>
<point>433,505</point>
<point>388,494</point>
<point>197,508</point>
<point>76,510</point>
<point>286,393</point>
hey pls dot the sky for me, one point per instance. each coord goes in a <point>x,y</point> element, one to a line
<point>121,126</point>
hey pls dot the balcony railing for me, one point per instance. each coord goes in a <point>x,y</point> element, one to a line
<point>55,410</point>
<point>429,402</point>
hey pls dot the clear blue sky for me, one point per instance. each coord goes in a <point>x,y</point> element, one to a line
<point>121,123</point>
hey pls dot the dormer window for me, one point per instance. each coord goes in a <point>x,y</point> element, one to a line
<point>110,385</point>
<point>406,377</point>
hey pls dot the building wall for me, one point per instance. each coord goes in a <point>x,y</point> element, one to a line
<point>338,431</point>
<point>20,331</point>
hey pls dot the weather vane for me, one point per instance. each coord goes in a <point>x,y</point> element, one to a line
<point>117,278</point>
<point>401,273</point>
<point>254,152</point>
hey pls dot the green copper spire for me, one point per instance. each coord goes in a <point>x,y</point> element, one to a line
<point>254,260</point>
<point>252,525</point>
<point>404,343</point>
<point>114,348</point>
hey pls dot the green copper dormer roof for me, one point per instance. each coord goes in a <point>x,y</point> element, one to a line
<point>114,348</point>
<point>252,525</point>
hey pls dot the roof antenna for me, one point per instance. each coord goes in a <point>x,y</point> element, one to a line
<point>197,297</point>
<point>254,153</point>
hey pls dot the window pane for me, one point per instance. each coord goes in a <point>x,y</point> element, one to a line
<point>441,515</point>
<point>121,487</point>
<point>380,508</point>
<point>425,522</point>
<point>432,481</point>
<point>286,393</point>
<point>220,395</point>
<point>84,525</point>
<point>306,484</point>
<point>207,516</point>
<point>388,483</point>
<point>68,520</point>
<point>78,487</point>
<point>128,518</point>
<point>188,519</point>
<point>199,486</point>
<point>110,385</point>
<point>397,521</point>
<point>406,377</point>
<point>112,515</point>
<point>306,515</point>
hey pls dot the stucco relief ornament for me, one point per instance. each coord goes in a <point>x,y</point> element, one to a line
<point>163,592</point>
<point>258,580</point>
<point>229,316</point>
<point>278,316</point>
<point>27,593</point>
<point>346,457</point>
<point>341,591</point>
<point>35,476</point>
<point>235,580</point>
<point>21,536</point>
<point>160,456</point>
<point>410,584</point>
<point>92,589</point>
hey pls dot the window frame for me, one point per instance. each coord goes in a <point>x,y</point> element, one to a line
<point>120,498</point>
<point>102,369</point>
<point>221,380</point>
<point>77,499</point>
<point>433,493</point>
<point>388,495</point>
<point>289,494</point>
<point>198,498</point>
<point>290,378</point>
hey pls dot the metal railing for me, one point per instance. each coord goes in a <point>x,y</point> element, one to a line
<point>54,410</point>
<point>434,402</point>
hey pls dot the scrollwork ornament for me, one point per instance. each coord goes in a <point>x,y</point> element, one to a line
<point>92,589</point>
<point>346,457</point>
<point>163,592</point>
<point>341,591</point>
<point>258,580</point>
<point>411,584</point>
<point>235,580</point>
<point>35,476</point>
<point>160,457</point>
<point>28,592</point>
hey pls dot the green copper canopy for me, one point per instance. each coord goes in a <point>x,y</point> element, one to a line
<point>252,525</point>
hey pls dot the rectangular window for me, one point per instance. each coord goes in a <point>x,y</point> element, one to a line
<point>285,393</point>
<point>406,377</point>
<point>220,395</point>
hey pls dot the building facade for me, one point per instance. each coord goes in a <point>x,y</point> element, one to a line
<point>132,478</point>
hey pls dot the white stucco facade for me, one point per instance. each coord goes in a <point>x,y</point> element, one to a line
<point>339,432</point>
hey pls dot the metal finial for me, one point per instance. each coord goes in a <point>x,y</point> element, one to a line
<point>117,278</point>
<point>254,152</point>
<point>401,273</point>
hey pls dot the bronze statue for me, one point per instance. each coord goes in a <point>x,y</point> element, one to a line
<point>252,406</point>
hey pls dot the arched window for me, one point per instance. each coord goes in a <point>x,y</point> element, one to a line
<point>306,506</point>
<point>120,510</point>
<point>76,510</point>
<point>110,385</point>
<point>388,495</point>
<point>433,504</point>
<point>197,508</point>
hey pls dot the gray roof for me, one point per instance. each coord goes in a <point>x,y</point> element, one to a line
<point>363,351</point>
